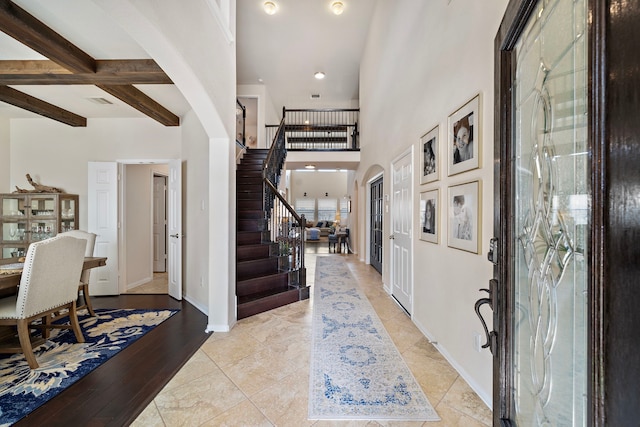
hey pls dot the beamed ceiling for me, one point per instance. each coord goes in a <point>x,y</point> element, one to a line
<point>67,64</point>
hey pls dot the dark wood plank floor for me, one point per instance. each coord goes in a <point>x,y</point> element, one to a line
<point>115,393</point>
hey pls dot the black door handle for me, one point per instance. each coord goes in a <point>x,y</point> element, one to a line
<point>490,336</point>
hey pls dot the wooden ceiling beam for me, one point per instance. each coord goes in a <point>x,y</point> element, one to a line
<point>143,103</point>
<point>113,76</point>
<point>109,72</point>
<point>38,106</point>
<point>28,30</point>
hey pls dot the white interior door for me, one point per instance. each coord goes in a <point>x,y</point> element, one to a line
<point>174,219</point>
<point>401,223</point>
<point>103,221</point>
<point>159,224</point>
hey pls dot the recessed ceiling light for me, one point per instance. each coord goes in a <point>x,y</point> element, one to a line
<point>309,166</point>
<point>319,75</point>
<point>260,81</point>
<point>337,7</point>
<point>270,7</point>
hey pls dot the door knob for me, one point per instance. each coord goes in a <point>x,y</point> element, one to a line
<point>174,235</point>
<point>392,237</point>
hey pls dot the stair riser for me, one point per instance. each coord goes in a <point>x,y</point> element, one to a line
<point>249,167</point>
<point>249,204</point>
<point>262,284</point>
<point>250,214</point>
<point>256,180</point>
<point>251,225</point>
<point>249,238</point>
<point>249,196</point>
<point>246,253</point>
<point>251,269</point>
<point>249,188</point>
<point>266,304</point>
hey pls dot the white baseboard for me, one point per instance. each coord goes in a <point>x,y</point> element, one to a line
<point>464,374</point>
<point>139,283</point>
<point>217,328</point>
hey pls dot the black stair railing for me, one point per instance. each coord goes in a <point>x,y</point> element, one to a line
<point>285,226</point>
<point>273,167</point>
<point>328,129</point>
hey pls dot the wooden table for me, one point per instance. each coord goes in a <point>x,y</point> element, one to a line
<point>9,282</point>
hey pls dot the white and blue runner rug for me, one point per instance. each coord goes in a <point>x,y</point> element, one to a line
<point>356,370</point>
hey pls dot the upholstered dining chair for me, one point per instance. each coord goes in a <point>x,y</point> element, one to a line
<point>49,283</point>
<point>84,278</point>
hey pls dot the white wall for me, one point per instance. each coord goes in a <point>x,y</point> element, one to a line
<point>267,114</point>
<point>424,60</point>
<point>56,154</point>
<point>122,139</point>
<point>195,46</point>
<point>317,183</point>
<point>195,211</point>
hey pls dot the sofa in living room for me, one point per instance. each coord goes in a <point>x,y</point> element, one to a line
<point>320,229</point>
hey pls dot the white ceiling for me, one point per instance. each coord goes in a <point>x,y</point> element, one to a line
<point>284,50</point>
<point>304,36</point>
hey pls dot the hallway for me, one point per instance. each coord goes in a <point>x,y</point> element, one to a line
<point>258,373</point>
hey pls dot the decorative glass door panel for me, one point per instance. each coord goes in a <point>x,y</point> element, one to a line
<point>550,198</point>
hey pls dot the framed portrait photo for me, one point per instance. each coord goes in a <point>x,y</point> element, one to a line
<point>430,156</point>
<point>429,215</point>
<point>463,201</point>
<point>463,137</point>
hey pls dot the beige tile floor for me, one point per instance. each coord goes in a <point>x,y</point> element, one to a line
<point>258,373</point>
<point>158,285</point>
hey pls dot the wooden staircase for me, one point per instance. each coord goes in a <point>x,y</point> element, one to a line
<point>262,276</point>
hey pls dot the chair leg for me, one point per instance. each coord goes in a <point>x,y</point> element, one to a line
<point>87,300</point>
<point>75,325</point>
<point>46,321</point>
<point>25,343</point>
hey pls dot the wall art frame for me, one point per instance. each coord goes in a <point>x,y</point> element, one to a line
<point>430,156</point>
<point>465,211</point>
<point>464,142</point>
<point>430,216</point>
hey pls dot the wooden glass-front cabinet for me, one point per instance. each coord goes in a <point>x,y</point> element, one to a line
<point>29,217</point>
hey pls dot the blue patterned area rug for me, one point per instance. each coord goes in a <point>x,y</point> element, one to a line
<point>63,361</point>
<point>356,370</point>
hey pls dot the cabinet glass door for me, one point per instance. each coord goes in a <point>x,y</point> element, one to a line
<point>14,206</point>
<point>68,212</point>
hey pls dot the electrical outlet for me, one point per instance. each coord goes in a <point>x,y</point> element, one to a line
<point>477,342</point>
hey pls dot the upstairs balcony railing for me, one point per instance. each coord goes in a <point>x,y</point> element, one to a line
<point>319,129</point>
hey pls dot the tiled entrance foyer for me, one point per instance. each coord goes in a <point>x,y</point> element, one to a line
<point>258,374</point>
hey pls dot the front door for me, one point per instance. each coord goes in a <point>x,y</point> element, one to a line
<point>401,229</point>
<point>542,199</point>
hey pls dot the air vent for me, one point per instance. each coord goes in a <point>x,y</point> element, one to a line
<point>101,101</point>
<point>315,96</point>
